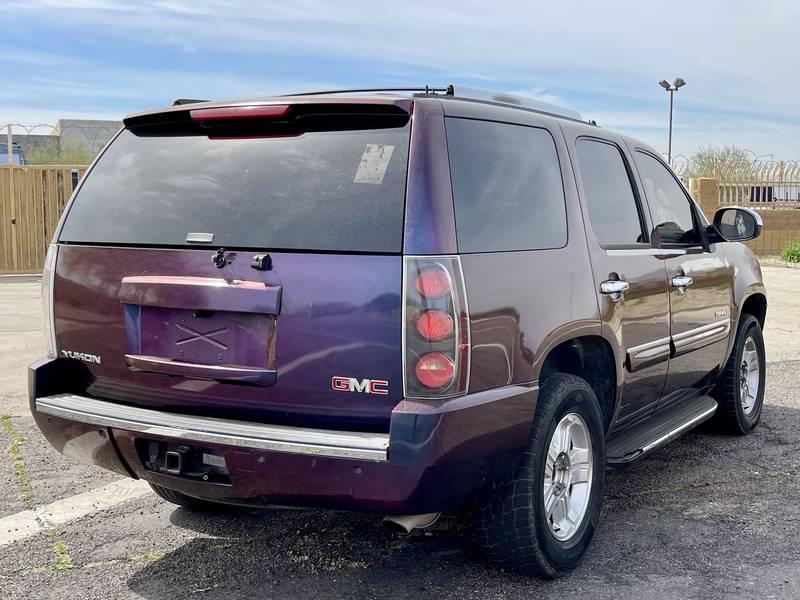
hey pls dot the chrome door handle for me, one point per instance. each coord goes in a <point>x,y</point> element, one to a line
<point>613,288</point>
<point>681,282</point>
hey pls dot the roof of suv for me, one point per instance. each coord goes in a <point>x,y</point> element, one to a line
<point>400,97</point>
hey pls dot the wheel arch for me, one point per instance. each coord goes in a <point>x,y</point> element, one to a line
<point>592,358</point>
<point>755,304</point>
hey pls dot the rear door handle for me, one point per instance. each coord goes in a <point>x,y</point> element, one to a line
<point>681,282</point>
<point>613,288</point>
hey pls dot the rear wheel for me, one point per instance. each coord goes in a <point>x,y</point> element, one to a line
<point>740,390</point>
<point>543,520</point>
<point>188,502</point>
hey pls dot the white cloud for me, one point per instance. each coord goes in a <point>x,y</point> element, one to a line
<point>603,58</point>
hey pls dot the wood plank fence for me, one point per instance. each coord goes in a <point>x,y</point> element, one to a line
<point>31,201</point>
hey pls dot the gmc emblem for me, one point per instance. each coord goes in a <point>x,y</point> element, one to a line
<point>365,386</point>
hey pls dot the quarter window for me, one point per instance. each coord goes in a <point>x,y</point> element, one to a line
<point>670,207</point>
<point>507,187</point>
<point>613,210</point>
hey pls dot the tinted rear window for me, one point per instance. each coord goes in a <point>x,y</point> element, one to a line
<point>330,190</point>
<point>506,186</point>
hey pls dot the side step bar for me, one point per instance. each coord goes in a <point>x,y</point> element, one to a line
<point>666,424</point>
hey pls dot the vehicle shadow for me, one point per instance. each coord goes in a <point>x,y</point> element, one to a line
<point>674,509</point>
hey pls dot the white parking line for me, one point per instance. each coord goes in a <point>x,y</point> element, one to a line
<point>30,522</point>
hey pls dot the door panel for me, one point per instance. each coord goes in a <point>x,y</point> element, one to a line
<point>700,323</point>
<point>699,280</point>
<point>639,321</point>
<point>621,252</point>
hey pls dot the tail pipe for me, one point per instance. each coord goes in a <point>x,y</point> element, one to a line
<point>408,523</point>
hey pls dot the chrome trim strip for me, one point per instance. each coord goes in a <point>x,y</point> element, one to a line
<point>701,336</point>
<point>278,438</point>
<point>680,429</point>
<point>656,350</point>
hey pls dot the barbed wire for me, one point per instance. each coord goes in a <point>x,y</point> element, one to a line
<point>56,141</point>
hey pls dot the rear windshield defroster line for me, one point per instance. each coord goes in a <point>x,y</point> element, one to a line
<point>320,191</point>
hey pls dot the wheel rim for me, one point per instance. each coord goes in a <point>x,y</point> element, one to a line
<point>749,376</point>
<point>568,476</point>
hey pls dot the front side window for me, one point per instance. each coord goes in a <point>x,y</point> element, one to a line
<point>670,208</point>
<point>507,187</point>
<point>613,210</point>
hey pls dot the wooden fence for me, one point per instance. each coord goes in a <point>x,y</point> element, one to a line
<point>31,202</point>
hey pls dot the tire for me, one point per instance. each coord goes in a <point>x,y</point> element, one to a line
<point>515,529</point>
<point>188,502</point>
<point>734,415</point>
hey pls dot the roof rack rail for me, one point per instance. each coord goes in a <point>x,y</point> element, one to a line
<point>182,101</point>
<point>420,89</point>
<point>464,93</point>
<point>524,102</point>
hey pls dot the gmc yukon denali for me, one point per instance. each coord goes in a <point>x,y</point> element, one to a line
<point>405,302</point>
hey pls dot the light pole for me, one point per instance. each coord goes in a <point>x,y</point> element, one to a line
<point>671,88</point>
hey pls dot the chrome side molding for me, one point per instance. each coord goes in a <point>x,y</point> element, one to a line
<point>649,353</point>
<point>278,438</point>
<point>701,336</point>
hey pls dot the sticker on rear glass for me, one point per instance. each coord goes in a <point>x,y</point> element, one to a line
<point>374,163</point>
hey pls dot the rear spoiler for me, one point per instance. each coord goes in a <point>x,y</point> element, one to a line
<point>279,116</point>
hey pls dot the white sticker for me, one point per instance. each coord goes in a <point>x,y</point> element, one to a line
<point>374,162</point>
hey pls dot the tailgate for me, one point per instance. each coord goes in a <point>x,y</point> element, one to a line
<point>242,262</point>
<point>339,316</point>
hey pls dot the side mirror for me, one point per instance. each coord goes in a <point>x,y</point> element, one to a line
<point>735,224</point>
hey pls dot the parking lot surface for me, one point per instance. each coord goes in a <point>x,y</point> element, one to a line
<point>708,516</point>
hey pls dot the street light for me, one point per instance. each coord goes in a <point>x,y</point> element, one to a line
<point>671,88</point>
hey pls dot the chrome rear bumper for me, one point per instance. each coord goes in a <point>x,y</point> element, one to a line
<point>295,440</point>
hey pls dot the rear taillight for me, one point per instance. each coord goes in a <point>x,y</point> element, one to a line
<point>48,277</point>
<point>435,328</point>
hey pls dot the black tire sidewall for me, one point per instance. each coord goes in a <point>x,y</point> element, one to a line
<point>580,400</point>
<point>751,329</point>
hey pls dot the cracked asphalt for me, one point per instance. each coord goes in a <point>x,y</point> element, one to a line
<point>708,516</point>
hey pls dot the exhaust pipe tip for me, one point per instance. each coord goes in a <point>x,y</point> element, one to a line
<point>408,523</point>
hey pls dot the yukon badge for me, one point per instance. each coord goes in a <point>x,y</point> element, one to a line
<point>89,358</point>
<point>365,386</point>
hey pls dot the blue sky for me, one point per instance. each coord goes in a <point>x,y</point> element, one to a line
<point>108,58</point>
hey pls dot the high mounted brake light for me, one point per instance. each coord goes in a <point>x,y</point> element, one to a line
<point>225,113</point>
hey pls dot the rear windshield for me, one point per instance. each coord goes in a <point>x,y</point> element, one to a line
<point>328,190</point>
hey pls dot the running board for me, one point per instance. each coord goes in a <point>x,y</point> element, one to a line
<point>666,424</point>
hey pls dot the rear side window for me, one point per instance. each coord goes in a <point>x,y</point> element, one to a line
<point>613,210</point>
<point>507,187</point>
<point>325,190</point>
<point>669,205</point>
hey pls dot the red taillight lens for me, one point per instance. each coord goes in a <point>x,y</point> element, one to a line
<point>435,370</point>
<point>432,282</point>
<point>434,325</point>
<point>239,112</point>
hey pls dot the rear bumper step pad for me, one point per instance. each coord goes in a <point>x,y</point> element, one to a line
<point>296,440</point>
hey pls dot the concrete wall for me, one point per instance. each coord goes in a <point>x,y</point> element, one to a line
<point>89,134</point>
<point>781,226</point>
<point>30,143</point>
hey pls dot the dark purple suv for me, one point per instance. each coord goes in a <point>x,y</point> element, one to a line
<point>399,302</point>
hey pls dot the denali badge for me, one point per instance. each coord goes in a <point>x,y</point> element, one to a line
<point>366,386</point>
<point>90,358</point>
